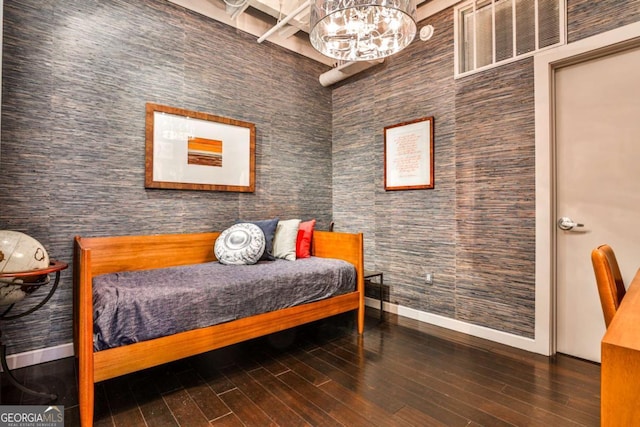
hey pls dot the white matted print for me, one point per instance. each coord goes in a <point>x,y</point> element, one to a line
<point>408,155</point>
<point>198,151</point>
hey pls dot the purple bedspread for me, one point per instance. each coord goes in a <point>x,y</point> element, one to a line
<point>136,306</point>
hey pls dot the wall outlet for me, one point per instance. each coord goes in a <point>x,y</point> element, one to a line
<point>428,278</point>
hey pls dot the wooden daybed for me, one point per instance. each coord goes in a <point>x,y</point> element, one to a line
<point>102,255</point>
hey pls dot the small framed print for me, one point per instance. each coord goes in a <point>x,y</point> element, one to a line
<point>408,155</point>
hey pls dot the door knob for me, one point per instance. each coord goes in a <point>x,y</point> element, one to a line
<point>567,224</point>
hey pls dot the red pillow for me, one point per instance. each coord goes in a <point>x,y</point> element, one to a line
<point>303,242</point>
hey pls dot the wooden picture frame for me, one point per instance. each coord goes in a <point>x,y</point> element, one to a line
<point>190,150</point>
<point>408,155</point>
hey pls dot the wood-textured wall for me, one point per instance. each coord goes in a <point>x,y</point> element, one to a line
<point>76,77</point>
<point>475,231</point>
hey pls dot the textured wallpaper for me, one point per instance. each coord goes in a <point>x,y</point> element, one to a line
<point>76,77</point>
<point>475,231</point>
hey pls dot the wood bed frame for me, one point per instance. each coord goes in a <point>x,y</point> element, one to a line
<point>101,255</point>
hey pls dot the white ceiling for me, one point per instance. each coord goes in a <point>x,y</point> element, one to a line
<point>258,17</point>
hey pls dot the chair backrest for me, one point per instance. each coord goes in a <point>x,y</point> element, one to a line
<point>609,280</point>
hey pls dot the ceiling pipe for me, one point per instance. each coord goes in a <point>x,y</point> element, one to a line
<point>345,70</point>
<point>235,13</point>
<point>284,21</point>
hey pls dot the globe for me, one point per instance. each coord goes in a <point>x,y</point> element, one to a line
<point>19,253</point>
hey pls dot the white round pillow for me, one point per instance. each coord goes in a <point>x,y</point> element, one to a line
<point>240,244</point>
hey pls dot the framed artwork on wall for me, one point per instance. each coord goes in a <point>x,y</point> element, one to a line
<point>408,155</point>
<point>190,150</point>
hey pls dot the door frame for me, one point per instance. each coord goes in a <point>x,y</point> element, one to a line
<point>545,65</point>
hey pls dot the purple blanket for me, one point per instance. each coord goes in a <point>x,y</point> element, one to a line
<point>141,305</point>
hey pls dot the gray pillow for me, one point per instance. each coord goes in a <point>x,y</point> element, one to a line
<point>240,244</point>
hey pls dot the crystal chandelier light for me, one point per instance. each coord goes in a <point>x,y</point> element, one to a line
<point>361,30</point>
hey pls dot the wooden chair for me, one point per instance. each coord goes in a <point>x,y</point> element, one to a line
<point>609,280</point>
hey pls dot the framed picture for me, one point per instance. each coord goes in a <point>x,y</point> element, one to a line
<point>189,150</point>
<point>408,155</point>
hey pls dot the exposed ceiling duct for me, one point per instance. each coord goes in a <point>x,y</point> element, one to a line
<point>284,23</point>
<point>346,70</point>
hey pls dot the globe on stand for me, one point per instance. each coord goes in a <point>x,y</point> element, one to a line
<point>20,253</point>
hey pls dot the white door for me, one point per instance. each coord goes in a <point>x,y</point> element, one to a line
<point>597,134</point>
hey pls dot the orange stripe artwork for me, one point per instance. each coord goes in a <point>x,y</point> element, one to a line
<point>204,152</point>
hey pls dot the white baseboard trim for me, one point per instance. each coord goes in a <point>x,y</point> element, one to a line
<point>457,325</point>
<point>34,357</point>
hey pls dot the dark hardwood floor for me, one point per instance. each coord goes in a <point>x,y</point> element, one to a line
<point>399,373</point>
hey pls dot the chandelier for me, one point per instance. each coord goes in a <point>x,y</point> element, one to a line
<point>361,30</point>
